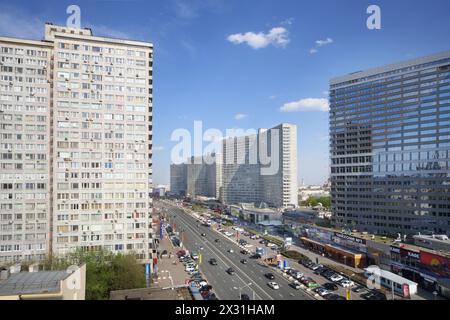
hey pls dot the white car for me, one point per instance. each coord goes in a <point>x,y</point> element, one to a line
<point>323,292</point>
<point>273,285</point>
<point>230,250</point>
<point>336,277</point>
<point>347,283</point>
<point>190,268</point>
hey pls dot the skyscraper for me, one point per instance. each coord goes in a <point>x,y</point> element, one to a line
<point>24,149</point>
<point>82,107</point>
<point>390,147</point>
<point>248,177</point>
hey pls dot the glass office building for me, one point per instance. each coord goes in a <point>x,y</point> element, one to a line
<point>390,148</point>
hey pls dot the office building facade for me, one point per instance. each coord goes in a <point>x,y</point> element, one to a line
<point>96,161</point>
<point>390,148</point>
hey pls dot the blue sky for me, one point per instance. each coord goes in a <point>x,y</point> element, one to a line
<point>201,73</point>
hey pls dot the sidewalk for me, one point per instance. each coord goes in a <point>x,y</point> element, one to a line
<point>169,274</point>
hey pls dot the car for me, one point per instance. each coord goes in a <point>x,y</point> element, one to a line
<point>230,251</point>
<point>347,283</point>
<point>358,289</point>
<point>312,284</point>
<point>374,295</point>
<point>330,286</point>
<point>213,262</point>
<point>205,288</point>
<point>216,240</point>
<point>273,285</point>
<point>297,275</point>
<point>243,261</point>
<point>243,251</point>
<point>334,297</point>
<point>269,276</point>
<point>322,291</point>
<point>190,268</point>
<point>212,296</point>
<point>303,262</point>
<point>203,235</point>
<point>255,256</point>
<point>295,285</point>
<point>336,277</point>
<point>245,297</point>
<point>323,271</point>
<point>231,271</point>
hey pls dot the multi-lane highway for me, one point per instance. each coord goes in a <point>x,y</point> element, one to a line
<point>227,286</point>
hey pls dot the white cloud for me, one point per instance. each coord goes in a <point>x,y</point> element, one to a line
<point>308,104</point>
<point>278,37</point>
<point>240,116</point>
<point>287,22</point>
<point>321,43</point>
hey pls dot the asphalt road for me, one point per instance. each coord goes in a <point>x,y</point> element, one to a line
<point>224,285</point>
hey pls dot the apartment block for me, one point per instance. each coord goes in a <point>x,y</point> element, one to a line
<point>24,149</point>
<point>76,112</point>
<point>248,177</point>
<point>196,177</point>
<point>390,147</point>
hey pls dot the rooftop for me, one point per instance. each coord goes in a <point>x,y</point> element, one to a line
<point>32,282</point>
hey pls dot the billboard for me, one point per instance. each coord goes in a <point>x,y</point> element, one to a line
<point>436,263</point>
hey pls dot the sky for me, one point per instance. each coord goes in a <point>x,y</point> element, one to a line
<point>249,63</point>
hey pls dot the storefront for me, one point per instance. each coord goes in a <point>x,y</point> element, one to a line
<point>339,254</point>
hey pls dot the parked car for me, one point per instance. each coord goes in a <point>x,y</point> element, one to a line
<point>322,291</point>
<point>230,251</point>
<point>203,235</point>
<point>347,283</point>
<point>336,277</point>
<point>216,240</point>
<point>295,285</point>
<point>243,261</point>
<point>269,276</point>
<point>213,262</point>
<point>334,297</point>
<point>245,297</point>
<point>330,286</point>
<point>190,268</point>
<point>374,295</point>
<point>358,289</point>
<point>273,285</point>
<point>243,251</point>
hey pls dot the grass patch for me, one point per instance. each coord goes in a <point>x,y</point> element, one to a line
<point>292,254</point>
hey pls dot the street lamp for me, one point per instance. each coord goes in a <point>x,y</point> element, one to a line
<point>240,290</point>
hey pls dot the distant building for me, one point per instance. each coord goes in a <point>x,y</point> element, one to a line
<point>244,179</point>
<point>43,285</point>
<point>306,192</point>
<point>262,214</point>
<point>195,178</point>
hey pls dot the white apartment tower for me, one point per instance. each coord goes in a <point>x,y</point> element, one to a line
<point>243,178</point>
<point>96,162</point>
<point>24,149</point>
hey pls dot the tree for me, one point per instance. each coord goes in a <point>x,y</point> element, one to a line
<point>105,271</point>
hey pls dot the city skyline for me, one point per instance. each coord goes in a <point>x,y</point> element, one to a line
<point>283,63</point>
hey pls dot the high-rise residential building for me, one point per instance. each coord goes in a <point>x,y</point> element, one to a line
<point>178,179</point>
<point>76,127</point>
<point>247,176</point>
<point>200,176</point>
<point>24,149</point>
<point>390,147</point>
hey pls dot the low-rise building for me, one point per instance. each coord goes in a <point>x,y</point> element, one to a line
<point>43,285</point>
